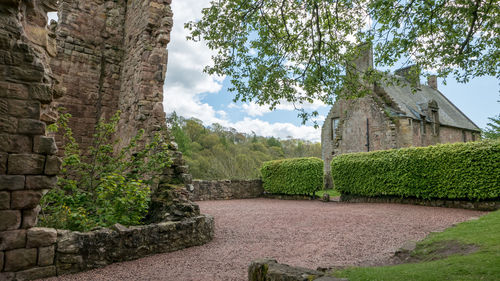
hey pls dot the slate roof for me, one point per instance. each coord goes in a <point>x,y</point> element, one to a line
<point>413,105</point>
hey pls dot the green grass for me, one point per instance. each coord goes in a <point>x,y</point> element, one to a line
<point>481,265</point>
<point>331,192</point>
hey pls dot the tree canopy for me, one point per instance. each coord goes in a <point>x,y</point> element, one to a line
<point>296,50</point>
<point>217,152</point>
<point>492,130</point>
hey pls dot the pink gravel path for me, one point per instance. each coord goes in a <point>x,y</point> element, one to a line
<point>301,233</point>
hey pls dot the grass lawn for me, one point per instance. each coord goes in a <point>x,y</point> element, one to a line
<point>484,264</point>
<point>332,192</point>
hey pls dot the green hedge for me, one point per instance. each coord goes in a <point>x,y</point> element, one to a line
<point>293,176</point>
<point>452,171</point>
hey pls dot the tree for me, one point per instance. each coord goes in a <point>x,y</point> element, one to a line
<point>296,50</point>
<point>492,130</point>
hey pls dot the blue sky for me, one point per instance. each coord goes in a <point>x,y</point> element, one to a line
<point>191,93</point>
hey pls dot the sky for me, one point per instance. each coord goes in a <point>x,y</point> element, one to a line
<point>191,93</point>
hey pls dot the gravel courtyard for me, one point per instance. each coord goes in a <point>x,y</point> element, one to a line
<point>301,233</point>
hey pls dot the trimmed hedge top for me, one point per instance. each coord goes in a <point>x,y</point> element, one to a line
<point>447,171</point>
<point>293,176</point>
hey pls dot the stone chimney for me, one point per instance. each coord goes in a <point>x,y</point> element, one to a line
<point>411,73</point>
<point>364,58</point>
<point>432,81</point>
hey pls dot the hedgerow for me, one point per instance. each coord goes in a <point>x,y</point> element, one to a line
<point>293,176</point>
<point>446,171</point>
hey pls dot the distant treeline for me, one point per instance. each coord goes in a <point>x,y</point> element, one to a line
<point>216,152</point>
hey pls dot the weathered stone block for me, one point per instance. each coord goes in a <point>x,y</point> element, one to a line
<point>7,276</point>
<point>36,273</point>
<point>15,143</point>
<point>13,91</point>
<point>30,127</point>
<point>42,93</point>
<point>30,217</point>
<point>46,255</point>
<point>4,200</point>
<point>1,264</point>
<point>67,242</point>
<point>25,199</point>
<point>70,258</point>
<point>10,219</point>
<point>40,182</point>
<point>44,145</point>
<point>23,108</point>
<point>3,163</point>
<point>41,236</point>
<point>25,164</point>
<point>13,239</point>
<point>25,74</point>
<point>20,259</point>
<point>8,182</point>
<point>53,165</point>
<point>8,124</point>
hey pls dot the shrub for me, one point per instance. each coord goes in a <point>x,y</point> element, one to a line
<point>452,171</point>
<point>103,187</point>
<point>293,176</point>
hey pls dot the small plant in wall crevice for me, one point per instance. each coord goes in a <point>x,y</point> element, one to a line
<point>103,186</point>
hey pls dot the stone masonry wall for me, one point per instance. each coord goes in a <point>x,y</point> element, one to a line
<point>78,251</point>
<point>461,204</point>
<point>88,62</point>
<point>147,33</point>
<point>27,162</point>
<point>225,189</point>
<point>101,56</point>
<point>350,135</point>
<point>112,56</point>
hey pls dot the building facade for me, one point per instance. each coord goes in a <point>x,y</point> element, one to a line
<point>393,116</point>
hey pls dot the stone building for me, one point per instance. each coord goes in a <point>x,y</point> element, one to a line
<point>392,116</point>
<point>101,56</point>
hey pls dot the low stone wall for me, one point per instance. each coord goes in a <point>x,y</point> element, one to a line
<point>271,270</point>
<point>462,204</point>
<point>48,252</point>
<point>225,189</point>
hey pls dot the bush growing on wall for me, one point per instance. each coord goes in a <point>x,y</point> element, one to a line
<point>447,171</point>
<point>293,176</point>
<point>103,187</point>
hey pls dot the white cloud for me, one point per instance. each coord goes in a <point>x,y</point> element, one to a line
<point>186,84</point>
<point>281,130</point>
<point>185,78</point>
<point>254,109</point>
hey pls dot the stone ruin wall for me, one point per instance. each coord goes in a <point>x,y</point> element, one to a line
<point>101,56</point>
<point>88,62</point>
<point>147,33</point>
<point>112,56</point>
<point>28,165</point>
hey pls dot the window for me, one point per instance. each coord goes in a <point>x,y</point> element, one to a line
<point>435,123</point>
<point>464,135</point>
<point>335,125</point>
<point>473,137</point>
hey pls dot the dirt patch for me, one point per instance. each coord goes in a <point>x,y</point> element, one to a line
<point>434,251</point>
